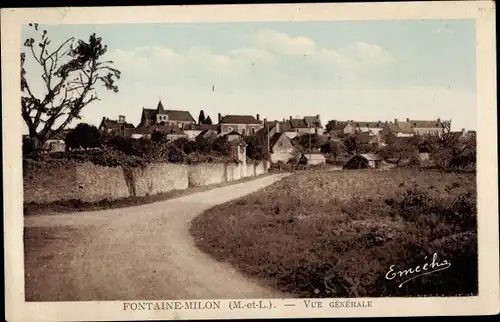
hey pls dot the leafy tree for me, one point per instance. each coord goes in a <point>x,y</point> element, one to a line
<point>83,136</point>
<point>256,148</point>
<point>308,141</point>
<point>201,117</point>
<point>159,137</point>
<point>333,147</point>
<point>400,149</point>
<point>208,120</point>
<point>28,146</point>
<point>351,144</point>
<point>69,74</point>
<point>222,146</point>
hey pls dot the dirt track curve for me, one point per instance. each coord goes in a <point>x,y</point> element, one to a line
<point>143,252</point>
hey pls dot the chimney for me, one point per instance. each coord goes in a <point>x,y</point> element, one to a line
<point>219,118</point>
<point>395,120</point>
<point>284,120</point>
<point>121,118</point>
<point>317,116</point>
<point>265,120</point>
<point>439,120</point>
<point>277,125</point>
<point>290,118</point>
<point>463,130</point>
<point>258,117</point>
<point>407,120</point>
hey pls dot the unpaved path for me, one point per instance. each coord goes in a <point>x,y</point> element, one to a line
<point>143,252</point>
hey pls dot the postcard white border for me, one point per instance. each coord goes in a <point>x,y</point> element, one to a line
<point>483,11</point>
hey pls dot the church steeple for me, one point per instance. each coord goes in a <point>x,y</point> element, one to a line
<point>160,107</point>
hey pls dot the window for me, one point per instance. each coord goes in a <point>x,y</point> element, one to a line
<point>230,129</point>
<point>253,130</point>
<point>243,131</point>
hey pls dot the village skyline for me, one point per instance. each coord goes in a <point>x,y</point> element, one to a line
<point>359,70</point>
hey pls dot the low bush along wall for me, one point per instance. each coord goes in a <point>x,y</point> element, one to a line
<point>88,182</point>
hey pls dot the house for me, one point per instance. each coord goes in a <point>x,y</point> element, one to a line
<point>242,124</point>
<point>280,148</point>
<point>397,129</point>
<point>162,116</point>
<point>363,161</point>
<point>233,136</point>
<point>338,129</point>
<point>56,143</point>
<point>426,127</point>
<point>369,138</point>
<point>313,158</point>
<point>373,127</point>
<point>193,130</point>
<point>209,135</point>
<point>306,125</point>
<point>173,132</point>
<point>278,144</point>
<point>116,127</point>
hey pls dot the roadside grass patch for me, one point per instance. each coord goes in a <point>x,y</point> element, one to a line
<point>336,233</point>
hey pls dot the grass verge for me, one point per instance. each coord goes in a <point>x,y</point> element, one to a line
<point>337,233</point>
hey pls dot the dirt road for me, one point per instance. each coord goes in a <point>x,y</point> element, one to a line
<point>143,252</point>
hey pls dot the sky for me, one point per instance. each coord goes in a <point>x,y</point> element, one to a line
<point>342,70</point>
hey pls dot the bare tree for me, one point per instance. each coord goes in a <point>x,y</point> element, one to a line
<point>69,75</point>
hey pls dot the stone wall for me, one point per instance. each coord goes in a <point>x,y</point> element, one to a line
<point>91,183</point>
<point>49,183</point>
<point>97,182</point>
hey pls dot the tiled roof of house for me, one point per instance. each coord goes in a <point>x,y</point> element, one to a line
<point>199,127</point>
<point>365,137</point>
<point>239,119</point>
<point>177,115</point>
<point>274,138</point>
<point>207,134</point>
<point>157,127</point>
<point>314,156</point>
<point>114,124</point>
<point>298,123</point>
<point>425,124</point>
<point>339,126</point>
<point>405,127</point>
<point>234,133</point>
<point>173,115</point>
<point>312,121</point>
<point>371,156</point>
<point>374,124</point>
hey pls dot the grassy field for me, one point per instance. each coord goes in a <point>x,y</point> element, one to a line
<point>337,233</point>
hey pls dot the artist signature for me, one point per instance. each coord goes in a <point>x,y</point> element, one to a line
<point>418,271</point>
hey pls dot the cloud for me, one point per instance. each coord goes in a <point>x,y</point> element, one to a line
<point>272,57</point>
<point>282,43</point>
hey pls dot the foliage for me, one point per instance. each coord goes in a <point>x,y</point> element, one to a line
<point>333,148</point>
<point>256,148</point>
<point>222,146</point>
<point>351,144</point>
<point>208,120</point>
<point>28,146</point>
<point>399,149</point>
<point>159,136</point>
<point>83,136</point>
<point>70,74</point>
<point>201,117</point>
<point>336,234</point>
<point>308,141</point>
